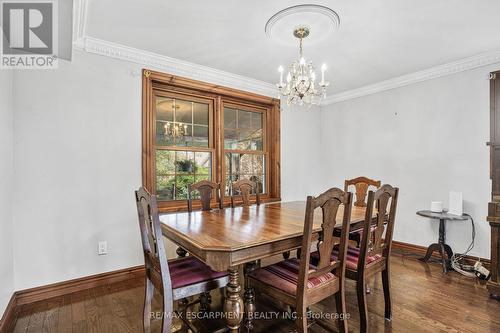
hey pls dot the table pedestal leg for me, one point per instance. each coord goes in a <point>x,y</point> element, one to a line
<point>443,248</point>
<point>249,296</point>
<point>233,304</point>
<point>430,250</point>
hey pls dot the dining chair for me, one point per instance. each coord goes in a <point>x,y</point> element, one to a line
<point>361,185</point>
<point>374,254</point>
<point>298,283</point>
<point>175,279</point>
<point>242,189</point>
<point>205,189</point>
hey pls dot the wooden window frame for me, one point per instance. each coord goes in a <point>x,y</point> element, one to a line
<point>265,141</point>
<point>170,85</point>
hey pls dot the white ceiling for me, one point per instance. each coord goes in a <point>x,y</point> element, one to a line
<point>377,39</point>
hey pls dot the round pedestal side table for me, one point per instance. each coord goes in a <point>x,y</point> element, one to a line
<point>441,245</point>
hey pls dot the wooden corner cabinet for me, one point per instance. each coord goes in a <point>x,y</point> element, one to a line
<point>494,206</point>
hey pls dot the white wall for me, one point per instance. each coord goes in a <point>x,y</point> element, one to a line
<point>301,158</point>
<point>78,160</point>
<point>6,187</point>
<point>427,138</point>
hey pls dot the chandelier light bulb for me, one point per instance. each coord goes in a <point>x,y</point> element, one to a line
<point>323,69</point>
<point>302,61</point>
<point>280,69</point>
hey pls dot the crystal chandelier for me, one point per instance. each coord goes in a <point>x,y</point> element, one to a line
<point>300,86</point>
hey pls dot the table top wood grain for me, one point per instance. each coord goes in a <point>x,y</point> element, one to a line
<point>232,236</point>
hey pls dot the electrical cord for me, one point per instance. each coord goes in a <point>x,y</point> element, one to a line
<point>464,269</point>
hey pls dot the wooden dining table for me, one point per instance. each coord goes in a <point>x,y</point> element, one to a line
<point>227,238</point>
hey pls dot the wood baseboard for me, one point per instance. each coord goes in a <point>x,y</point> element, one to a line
<point>42,293</point>
<point>67,287</point>
<point>46,292</point>
<point>7,321</point>
<point>419,250</point>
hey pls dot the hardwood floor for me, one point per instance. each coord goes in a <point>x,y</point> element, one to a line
<point>424,300</point>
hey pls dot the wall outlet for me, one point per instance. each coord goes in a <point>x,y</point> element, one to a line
<point>102,248</point>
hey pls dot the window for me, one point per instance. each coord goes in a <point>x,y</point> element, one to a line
<point>244,147</point>
<point>183,149</point>
<point>195,131</point>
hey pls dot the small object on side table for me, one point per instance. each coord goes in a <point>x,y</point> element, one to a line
<point>441,245</point>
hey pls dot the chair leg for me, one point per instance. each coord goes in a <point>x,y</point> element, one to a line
<point>205,301</point>
<point>357,239</point>
<point>341,310</point>
<point>363,310</point>
<point>166,323</point>
<point>301,321</point>
<point>181,253</point>
<point>168,311</point>
<point>386,283</point>
<point>148,297</point>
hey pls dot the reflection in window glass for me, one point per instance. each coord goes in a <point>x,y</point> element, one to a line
<point>175,170</point>
<point>181,123</point>
<point>200,114</point>
<point>245,166</point>
<point>242,130</point>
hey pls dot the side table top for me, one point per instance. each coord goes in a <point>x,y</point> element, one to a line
<point>441,216</point>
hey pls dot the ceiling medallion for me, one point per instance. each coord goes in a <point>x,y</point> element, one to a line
<point>317,17</point>
<point>300,85</point>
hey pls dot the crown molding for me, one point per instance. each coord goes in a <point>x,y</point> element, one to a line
<point>454,67</point>
<point>177,67</point>
<point>83,42</point>
<point>212,75</point>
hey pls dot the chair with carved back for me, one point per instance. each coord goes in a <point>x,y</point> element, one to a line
<point>361,185</point>
<point>205,188</point>
<point>298,283</point>
<point>373,255</point>
<point>175,279</point>
<point>243,189</point>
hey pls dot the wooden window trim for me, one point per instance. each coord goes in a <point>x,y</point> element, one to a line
<point>265,143</point>
<point>220,96</point>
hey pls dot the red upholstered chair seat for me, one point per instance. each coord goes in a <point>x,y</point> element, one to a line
<point>189,270</point>
<point>284,276</point>
<point>351,258</point>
